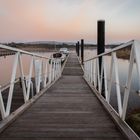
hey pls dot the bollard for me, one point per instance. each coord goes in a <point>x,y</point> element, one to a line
<point>101,47</point>
<point>78,48</point>
<point>82,51</point>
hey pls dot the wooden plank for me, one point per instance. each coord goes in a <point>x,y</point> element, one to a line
<point>67,110</point>
<point>10,119</point>
<point>123,126</point>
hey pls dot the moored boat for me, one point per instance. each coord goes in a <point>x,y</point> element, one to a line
<point>62,56</point>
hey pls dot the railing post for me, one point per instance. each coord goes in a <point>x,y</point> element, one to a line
<point>13,77</point>
<point>29,79</point>
<point>22,77</point>
<point>101,47</point>
<point>59,68</point>
<point>2,108</point>
<point>82,51</point>
<point>53,69</point>
<point>45,74</point>
<point>50,72</point>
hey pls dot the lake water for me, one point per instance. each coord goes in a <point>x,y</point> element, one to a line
<point>6,64</point>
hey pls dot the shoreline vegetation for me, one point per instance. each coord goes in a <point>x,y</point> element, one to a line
<point>133,121</point>
<point>124,53</point>
<point>42,47</point>
<point>55,46</point>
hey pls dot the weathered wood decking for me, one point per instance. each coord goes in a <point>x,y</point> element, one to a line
<point>68,110</point>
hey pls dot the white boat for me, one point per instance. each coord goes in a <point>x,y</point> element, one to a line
<point>62,56</point>
<point>64,51</point>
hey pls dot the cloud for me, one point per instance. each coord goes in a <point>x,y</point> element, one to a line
<point>71,2</point>
<point>60,19</point>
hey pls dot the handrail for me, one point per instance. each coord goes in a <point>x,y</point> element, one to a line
<point>97,77</point>
<point>113,50</point>
<point>46,71</point>
<point>8,85</point>
<point>22,51</point>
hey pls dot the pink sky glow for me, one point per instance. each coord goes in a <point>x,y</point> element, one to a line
<point>68,20</point>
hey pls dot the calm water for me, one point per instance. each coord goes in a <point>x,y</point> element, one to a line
<point>134,100</point>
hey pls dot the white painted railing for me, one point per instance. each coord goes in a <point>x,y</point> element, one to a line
<point>42,69</point>
<point>92,75</point>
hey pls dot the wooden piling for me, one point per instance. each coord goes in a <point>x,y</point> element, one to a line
<point>82,51</point>
<point>78,48</point>
<point>101,46</point>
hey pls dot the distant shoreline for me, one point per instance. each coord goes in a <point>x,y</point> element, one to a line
<point>123,54</point>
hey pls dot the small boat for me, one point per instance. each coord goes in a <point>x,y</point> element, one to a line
<point>59,55</point>
<point>64,51</point>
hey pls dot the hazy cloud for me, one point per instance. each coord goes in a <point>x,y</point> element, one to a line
<point>67,19</point>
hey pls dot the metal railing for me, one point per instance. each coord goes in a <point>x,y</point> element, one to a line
<point>46,70</point>
<point>99,77</point>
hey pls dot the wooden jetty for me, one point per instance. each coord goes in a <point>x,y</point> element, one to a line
<point>67,110</point>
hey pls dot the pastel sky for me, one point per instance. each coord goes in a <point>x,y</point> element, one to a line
<point>68,20</point>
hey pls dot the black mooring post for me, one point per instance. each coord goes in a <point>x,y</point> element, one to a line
<point>101,46</point>
<point>78,48</point>
<point>82,51</point>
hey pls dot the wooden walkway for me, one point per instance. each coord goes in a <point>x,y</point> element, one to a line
<point>67,110</point>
